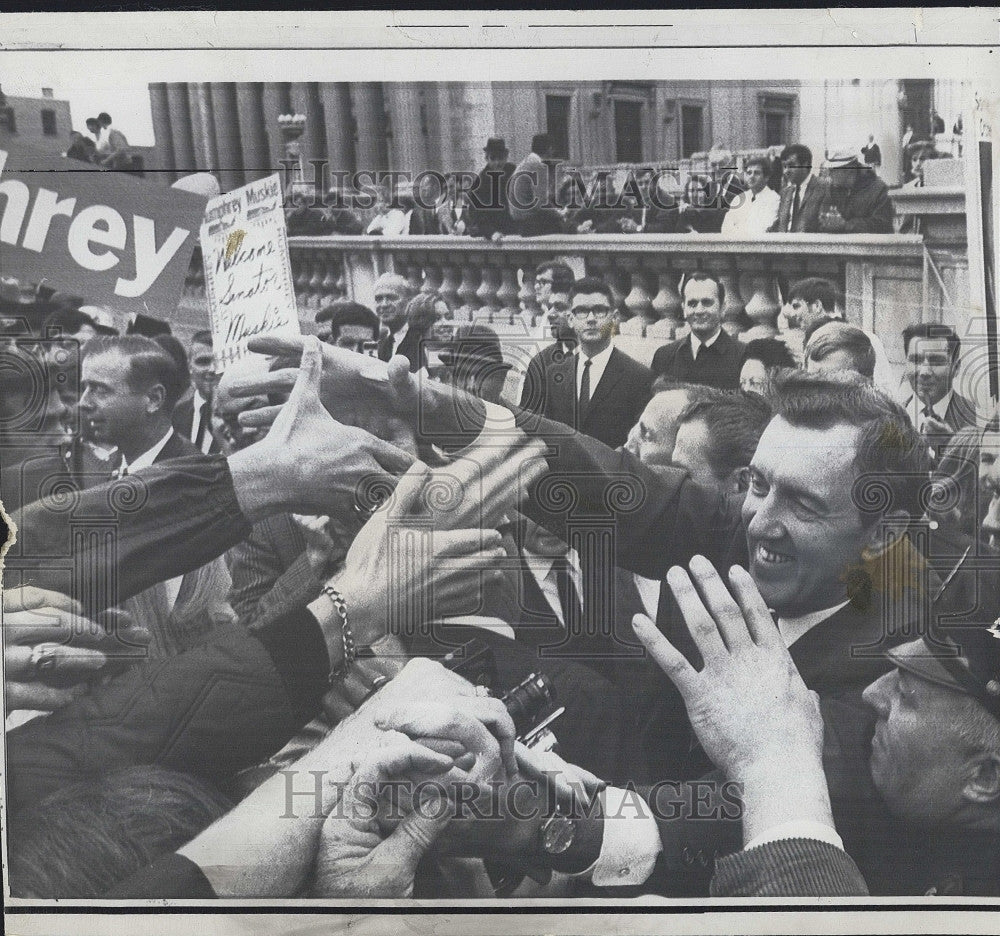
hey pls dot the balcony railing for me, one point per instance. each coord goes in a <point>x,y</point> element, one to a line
<point>883,276</point>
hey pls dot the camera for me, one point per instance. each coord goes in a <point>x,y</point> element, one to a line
<point>531,704</point>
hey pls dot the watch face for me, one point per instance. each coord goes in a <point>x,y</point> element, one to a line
<point>557,834</point>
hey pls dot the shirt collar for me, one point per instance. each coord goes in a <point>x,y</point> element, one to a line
<point>792,628</point>
<point>398,336</point>
<point>697,344</point>
<point>149,456</point>
<point>601,358</point>
<point>939,409</point>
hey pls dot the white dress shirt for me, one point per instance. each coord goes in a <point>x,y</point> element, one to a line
<point>915,409</point>
<point>598,365</point>
<point>753,216</point>
<point>697,344</point>
<point>147,458</point>
<point>792,628</point>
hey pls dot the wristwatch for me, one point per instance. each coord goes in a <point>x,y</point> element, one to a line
<point>556,834</point>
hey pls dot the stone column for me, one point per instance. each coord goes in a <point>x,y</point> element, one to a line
<point>339,130</point>
<point>409,145</point>
<point>225,120</point>
<point>370,147</point>
<point>204,130</point>
<point>276,101</point>
<point>179,111</point>
<point>164,154</point>
<point>306,100</point>
<point>253,132</point>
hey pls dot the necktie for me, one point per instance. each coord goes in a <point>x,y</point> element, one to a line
<point>385,348</point>
<point>569,597</point>
<point>795,210</point>
<point>585,386</point>
<point>204,416</point>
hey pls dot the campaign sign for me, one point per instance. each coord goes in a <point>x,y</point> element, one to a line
<point>248,275</point>
<point>114,239</point>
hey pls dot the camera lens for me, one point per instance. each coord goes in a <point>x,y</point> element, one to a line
<point>529,701</point>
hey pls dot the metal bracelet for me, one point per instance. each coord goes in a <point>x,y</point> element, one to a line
<point>350,652</point>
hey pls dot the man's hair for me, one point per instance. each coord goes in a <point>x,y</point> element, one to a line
<point>149,364</point>
<point>839,336</point>
<point>68,319</point>
<point>771,352</point>
<point>663,383</point>
<point>202,336</point>
<point>762,161</point>
<point>420,311</point>
<point>175,349</point>
<point>735,423</point>
<point>92,120</point>
<point>541,144</point>
<point>344,311</point>
<point>815,289</point>
<point>892,457</point>
<point>89,836</point>
<point>396,282</point>
<point>592,284</point>
<point>932,330</point>
<point>700,276</point>
<point>562,275</point>
<point>104,117</point>
<point>799,152</point>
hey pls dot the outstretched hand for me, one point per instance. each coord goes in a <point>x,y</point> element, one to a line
<point>748,704</point>
<point>308,460</point>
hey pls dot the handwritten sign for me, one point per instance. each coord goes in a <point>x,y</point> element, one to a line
<point>248,276</point>
<point>114,239</point>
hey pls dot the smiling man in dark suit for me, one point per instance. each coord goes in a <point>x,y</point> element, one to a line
<point>708,355</point>
<point>596,388</point>
<point>193,418</point>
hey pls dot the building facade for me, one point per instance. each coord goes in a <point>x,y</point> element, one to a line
<point>234,130</point>
<point>41,123</point>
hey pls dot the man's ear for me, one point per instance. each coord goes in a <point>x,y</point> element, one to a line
<point>738,480</point>
<point>983,787</point>
<point>157,396</point>
<point>817,309</point>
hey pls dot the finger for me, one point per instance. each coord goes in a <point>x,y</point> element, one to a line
<point>411,839</point>
<point>279,381</point>
<point>471,726</point>
<point>391,458</point>
<point>462,542</point>
<point>278,345</point>
<point>700,623</point>
<point>310,372</point>
<point>666,656</point>
<point>38,696</point>
<point>408,489</point>
<point>720,604</point>
<point>756,613</point>
<point>259,418</point>
<point>28,597</point>
<point>65,662</point>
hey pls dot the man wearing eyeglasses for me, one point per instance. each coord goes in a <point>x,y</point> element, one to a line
<point>596,389</point>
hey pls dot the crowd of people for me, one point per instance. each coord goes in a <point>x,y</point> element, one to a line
<point>364,626</point>
<point>399,617</point>
<point>787,192</point>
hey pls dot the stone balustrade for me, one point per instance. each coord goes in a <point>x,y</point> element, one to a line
<point>883,277</point>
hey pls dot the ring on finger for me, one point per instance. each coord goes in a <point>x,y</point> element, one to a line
<point>43,658</point>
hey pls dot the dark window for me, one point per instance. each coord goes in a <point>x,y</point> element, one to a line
<point>776,120</point>
<point>628,131</point>
<point>557,123</point>
<point>7,118</point>
<point>775,130</point>
<point>692,129</point>
<point>49,123</point>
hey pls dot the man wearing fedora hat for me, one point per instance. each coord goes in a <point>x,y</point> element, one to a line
<point>858,201</point>
<point>488,214</point>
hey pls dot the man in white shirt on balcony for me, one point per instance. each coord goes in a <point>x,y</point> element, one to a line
<point>756,210</point>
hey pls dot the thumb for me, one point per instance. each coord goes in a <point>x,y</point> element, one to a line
<point>418,831</point>
<point>309,372</point>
